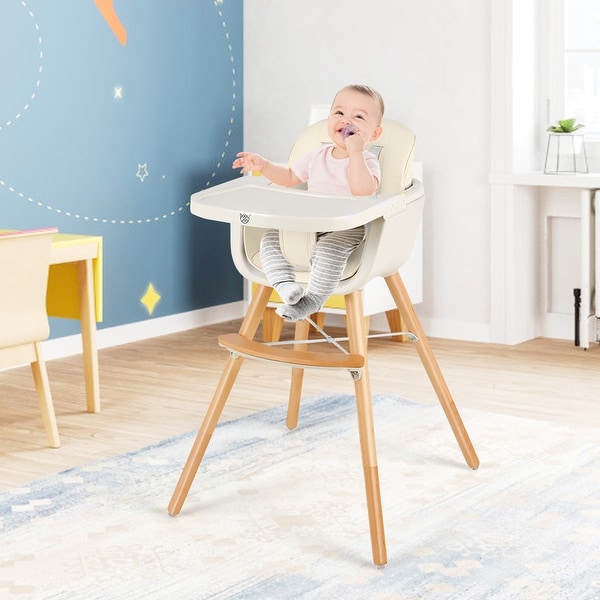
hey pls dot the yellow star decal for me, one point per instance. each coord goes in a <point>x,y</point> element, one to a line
<point>150,298</point>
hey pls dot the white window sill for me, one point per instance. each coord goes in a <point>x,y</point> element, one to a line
<point>584,181</point>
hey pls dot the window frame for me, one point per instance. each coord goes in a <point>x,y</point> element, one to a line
<point>553,55</point>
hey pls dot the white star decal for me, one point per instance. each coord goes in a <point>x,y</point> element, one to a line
<point>142,172</point>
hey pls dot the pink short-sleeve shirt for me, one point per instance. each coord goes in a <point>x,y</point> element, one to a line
<point>326,174</point>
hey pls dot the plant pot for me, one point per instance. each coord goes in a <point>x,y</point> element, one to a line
<point>565,154</point>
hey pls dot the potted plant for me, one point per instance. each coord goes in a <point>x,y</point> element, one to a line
<point>565,126</point>
<point>570,156</point>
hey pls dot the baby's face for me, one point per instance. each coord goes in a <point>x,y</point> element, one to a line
<point>353,113</point>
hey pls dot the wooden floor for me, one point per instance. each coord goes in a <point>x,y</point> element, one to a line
<point>160,387</point>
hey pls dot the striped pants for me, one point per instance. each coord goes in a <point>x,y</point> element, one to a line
<point>328,261</point>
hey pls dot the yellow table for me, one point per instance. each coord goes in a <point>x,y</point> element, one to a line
<point>75,292</point>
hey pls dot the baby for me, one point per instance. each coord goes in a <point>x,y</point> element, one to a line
<point>343,167</point>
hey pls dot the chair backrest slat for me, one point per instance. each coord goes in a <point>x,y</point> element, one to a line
<point>24,264</point>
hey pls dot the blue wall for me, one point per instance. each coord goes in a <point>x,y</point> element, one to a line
<point>109,120</point>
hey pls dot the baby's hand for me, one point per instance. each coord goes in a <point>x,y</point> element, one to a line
<point>355,142</point>
<point>249,162</point>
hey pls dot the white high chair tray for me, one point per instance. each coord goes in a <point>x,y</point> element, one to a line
<point>256,202</point>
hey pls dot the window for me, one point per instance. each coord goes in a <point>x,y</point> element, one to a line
<point>573,67</point>
<point>582,63</point>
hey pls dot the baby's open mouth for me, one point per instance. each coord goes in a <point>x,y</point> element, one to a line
<point>348,130</point>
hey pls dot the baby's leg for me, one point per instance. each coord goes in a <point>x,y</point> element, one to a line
<point>328,263</point>
<point>279,271</point>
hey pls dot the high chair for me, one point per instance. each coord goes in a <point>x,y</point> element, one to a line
<point>252,204</point>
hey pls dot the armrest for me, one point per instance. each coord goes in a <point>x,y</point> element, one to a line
<point>255,202</point>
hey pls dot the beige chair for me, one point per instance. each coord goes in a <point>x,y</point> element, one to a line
<point>24,264</point>
<point>392,218</point>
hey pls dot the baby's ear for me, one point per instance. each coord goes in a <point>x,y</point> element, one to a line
<point>378,131</point>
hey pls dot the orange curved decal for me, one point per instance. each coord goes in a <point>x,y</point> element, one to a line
<point>107,10</point>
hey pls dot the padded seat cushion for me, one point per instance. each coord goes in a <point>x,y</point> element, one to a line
<point>297,247</point>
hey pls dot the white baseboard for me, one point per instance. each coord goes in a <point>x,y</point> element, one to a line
<point>558,326</point>
<point>457,330</point>
<point>141,330</point>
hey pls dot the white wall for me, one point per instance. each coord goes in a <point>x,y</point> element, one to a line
<point>431,61</point>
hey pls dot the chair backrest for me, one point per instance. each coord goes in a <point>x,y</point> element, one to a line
<point>24,264</point>
<point>395,149</point>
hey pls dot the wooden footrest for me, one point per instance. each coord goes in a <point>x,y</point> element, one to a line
<point>238,344</point>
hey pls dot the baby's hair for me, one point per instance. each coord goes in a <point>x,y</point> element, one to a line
<point>368,91</point>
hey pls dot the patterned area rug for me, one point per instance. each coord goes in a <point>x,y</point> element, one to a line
<point>277,514</point>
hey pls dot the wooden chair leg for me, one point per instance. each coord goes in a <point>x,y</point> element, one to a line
<point>42,387</point>
<point>272,324</point>
<point>362,386</point>
<point>230,372</point>
<point>319,319</point>
<point>85,283</point>
<point>404,304</point>
<point>395,324</point>
<point>302,329</point>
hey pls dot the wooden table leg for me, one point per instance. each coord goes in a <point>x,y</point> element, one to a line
<point>87,316</point>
